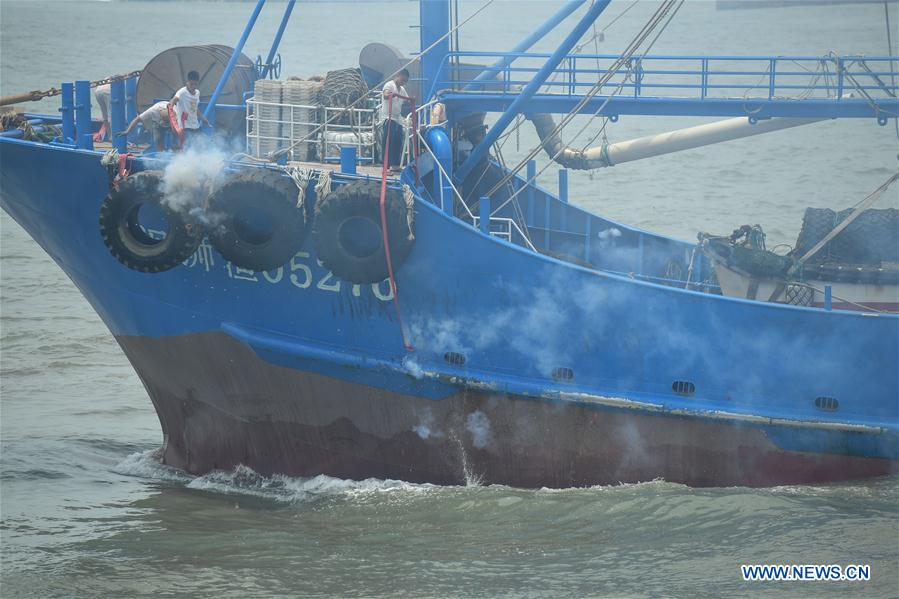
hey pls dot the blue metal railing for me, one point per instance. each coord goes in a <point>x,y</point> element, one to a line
<point>690,77</point>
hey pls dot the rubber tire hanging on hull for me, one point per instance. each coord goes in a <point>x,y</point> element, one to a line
<point>348,237</point>
<point>261,222</point>
<point>133,246</point>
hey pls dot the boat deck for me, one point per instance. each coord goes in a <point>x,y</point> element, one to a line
<point>361,169</point>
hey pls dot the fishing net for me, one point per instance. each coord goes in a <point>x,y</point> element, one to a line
<point>871,239</point>
<point>759,262</point>
<point>342,88</point>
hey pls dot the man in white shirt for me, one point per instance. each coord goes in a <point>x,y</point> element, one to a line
<point>154,119</point>
<point>186,103</point>
<point>392,117</point>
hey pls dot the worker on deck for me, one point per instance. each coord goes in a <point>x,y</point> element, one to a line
<point>154,119</point>
<point>186,103</point>
<point>102,94</point>
<point>392,117</point>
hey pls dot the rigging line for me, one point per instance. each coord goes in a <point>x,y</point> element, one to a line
<point>519,215</point>
<point>577,50</point>
<point>347,109</point>
<point>631,49</point>
<point>581,46</point>
<point>648,48</point>
<point>613,70</point>
<point>601,108</point>
<point>886,11</point>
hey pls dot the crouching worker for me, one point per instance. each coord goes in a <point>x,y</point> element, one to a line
<point>154,119</point>
<point>102,93</point>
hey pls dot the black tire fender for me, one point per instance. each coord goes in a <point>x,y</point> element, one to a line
<point>348,237</point>
<point>129,243</point>
<point>257,219</point>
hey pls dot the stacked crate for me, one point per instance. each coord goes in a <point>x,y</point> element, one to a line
<point>266,131</point>
<point>303,98</point>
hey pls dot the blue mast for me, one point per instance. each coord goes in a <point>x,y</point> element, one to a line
<point>434,18</point>
<point>210,108</point>
<point>522,46</point>
<point>277,40</point>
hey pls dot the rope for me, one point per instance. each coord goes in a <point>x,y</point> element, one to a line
<point>36,95</point>
<point>386,240</point>
<point>323,187</point>
<point>274,155</point>
<point>301,178</point>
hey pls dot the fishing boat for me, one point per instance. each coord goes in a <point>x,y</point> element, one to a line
<point>853,270</point>
<point>296,308</point>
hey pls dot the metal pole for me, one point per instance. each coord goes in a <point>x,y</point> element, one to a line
<point>277,42</point>
<point>117,115</point>
<point>522,46</point>
<point>68,115</point>
<point>130,104</point>
<point>563,185</point>
<point>530,89</point>
<point>529,194</point>
<point>210,108</point>
<point>84,129</point>
<point>348,160</point>
<point>484,215</point>
<point>434,22</point>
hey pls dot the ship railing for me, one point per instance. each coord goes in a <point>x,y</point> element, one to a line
<point>505,228</point>
<point>691,77</point>
<point>309,131</point>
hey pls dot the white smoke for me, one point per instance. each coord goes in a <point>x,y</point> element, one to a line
<point>538,327</point>
<point>191,177</point>
<point>413,367</point>
<point>610,233</point>
<point>478,425</point>
<point>425,429</point>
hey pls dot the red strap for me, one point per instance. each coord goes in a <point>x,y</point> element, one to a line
<point>123,171</point>
<point>177,129</point>
<point>396,295</point>
<point>415,149</point>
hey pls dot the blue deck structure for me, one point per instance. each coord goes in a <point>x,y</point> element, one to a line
<point>752,86</point>
<point>542,353</point>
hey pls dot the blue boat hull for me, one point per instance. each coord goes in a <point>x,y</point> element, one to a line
<point>526,371</point>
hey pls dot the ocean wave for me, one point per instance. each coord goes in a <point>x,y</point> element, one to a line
<point>243,480</point>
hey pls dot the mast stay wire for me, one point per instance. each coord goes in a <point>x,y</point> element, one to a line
<point>886,12</point>
<point>577,50</point>
<point>599,110</point>
<point>641,36</point>
<point>520,120</point>
<point>626,56</point>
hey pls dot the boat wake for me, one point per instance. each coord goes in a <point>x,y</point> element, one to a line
<point>243,480</point>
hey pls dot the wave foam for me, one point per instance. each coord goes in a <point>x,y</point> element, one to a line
<point>243,480</point>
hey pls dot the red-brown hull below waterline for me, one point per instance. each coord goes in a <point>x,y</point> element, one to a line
<point>221,406</point>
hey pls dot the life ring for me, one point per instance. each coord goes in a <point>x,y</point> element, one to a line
<point>129,242</point>
<point>177,127</point>
<point>348,237</point>
<point>260,219</point>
